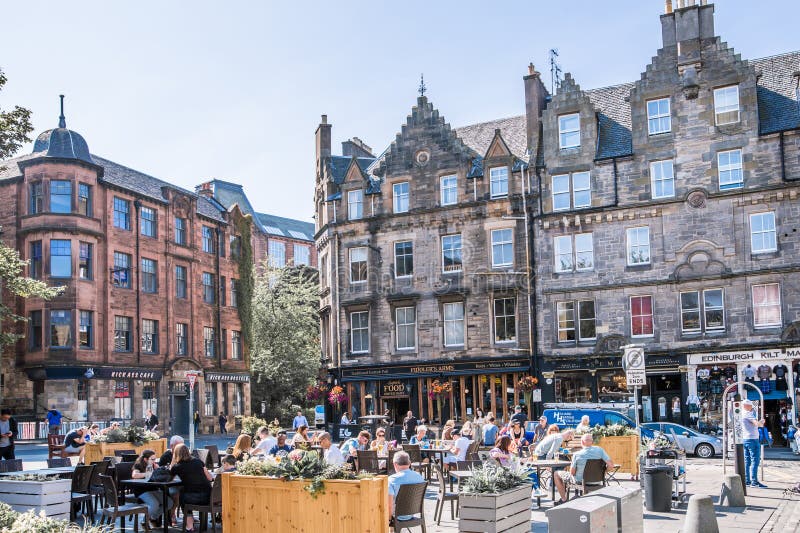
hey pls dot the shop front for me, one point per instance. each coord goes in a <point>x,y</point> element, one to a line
<point>435,391</point>
<point>774,371</point>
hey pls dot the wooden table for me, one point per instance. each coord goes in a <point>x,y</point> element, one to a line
<point>163,486</point>
<point>551,465</point>
<point>459,475</point>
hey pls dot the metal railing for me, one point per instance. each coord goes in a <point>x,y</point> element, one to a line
<point>40,430</point>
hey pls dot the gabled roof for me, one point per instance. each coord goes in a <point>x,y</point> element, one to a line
<point>338,165</point>
<point>778,107</point>
<point>286,227</point>
<point>479,136</point>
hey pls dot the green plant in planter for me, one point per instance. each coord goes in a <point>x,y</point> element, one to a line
<point>7,515</point>
<point>614,430</point>
<point>298,465</point>
<point>492,479</point>
<point>250,424</point>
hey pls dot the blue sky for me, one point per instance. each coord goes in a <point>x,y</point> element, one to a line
<point>188,91</point>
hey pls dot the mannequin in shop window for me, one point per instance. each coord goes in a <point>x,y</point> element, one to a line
<point>693,406</point>
<point>749,374</point>
<point>780,372</point>
<point>764,372</point>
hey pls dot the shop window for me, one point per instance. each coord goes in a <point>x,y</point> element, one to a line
<point>611,386</point>
<point>122,334</point>
<point>641,316</point>
<point>149,397</point>
<point>122,399</point>
<point>83,390</point>
<point>238,399</point>
<point>573,388</point>
<point>704,312</point>
<point>210,405</point>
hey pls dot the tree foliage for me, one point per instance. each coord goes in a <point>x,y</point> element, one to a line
<point>15,125</point>
<point>284,352</point>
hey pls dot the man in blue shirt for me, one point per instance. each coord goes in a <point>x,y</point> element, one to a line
<point>281,448</point>
<point>54,420</point>
<point>564,479</point>
<point>299,420</point>
<point>490,430</point>
<point>403,476</point>
<point>752,448</point>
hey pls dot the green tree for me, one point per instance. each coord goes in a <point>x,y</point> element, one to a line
<point>285,350</point>
<point>15,126</point>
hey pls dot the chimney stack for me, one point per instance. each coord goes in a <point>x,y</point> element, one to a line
<point>687,26</point>
<point>323,142</point>
<point>535,101</point>
<point>205,189</point>
<point>356,147</point>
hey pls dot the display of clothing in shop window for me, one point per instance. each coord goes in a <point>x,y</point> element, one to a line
<point>693,405</point>
<point>796,369</point>
<point>764,372</point>
<point>749,373</point>
<point>716,373</point>
<point>765,385</point>
<point>780,372</point>
<point>730,372</point>
<point>717,386</point>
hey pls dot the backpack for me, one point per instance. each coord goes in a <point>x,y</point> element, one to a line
<point>161,475</point>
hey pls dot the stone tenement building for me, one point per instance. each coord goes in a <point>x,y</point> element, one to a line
<point>663,212</point>
<point>150,271</point>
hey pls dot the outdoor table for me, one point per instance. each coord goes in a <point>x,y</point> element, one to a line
<point>551,465</point>
<point>61,471</point>
<point>434,452</point>
<point>459,475</point>
<point>163,486</point>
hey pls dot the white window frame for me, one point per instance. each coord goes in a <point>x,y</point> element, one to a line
<point>574,307</point>
<point>448,185</point>
<point>353,260</point>
<point>564,133</point>
<point>656,119</point>
<point>576,190</point>
<point>355,204</point>
<point>768,304</point>
<point>561,192</point>
<point>502,242</point>
<point>581,251</point>
<point>630,245</point>
<point>504,317</point>
<point>396,262</point>
<point>401,199</point>
<point>460,253</point>
<point>571,192</point>
<point>276,250</point>
<point>567,246</point>
<point>360,329</point>
<point>764,232</point>
<point>731,169</point>
<point>658,176</point>
<point>302,254</point>
<point>498,182</point>
<point>723,103</point>
<point>652,315</point>
<point>446,321</point>
<point>405,324</point>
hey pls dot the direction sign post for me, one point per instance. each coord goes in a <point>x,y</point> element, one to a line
<point>635,375</point>
<point>191,378</point>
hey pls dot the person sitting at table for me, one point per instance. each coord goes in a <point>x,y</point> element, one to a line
<point>228,464</point>
<point>467,430</point>
<point>142,468</point>
<point>403,476</point>
<point>114,425</point>
<point>563,480</point>
<point>166,457</point>
<point>75,442</point>
<point>345,419</point>
<point>92,432</point>
<point>447,430</point>
<point>420,437</point>
<point>502,451</point>
<point>195,481</point>
<point>518,440</point>
<point>540,430</point>
<point>351,446</point>
<point>380,444</point>
<point>265,441</point>
<point>489,431</point>
<point>458,449</point>
<point>584,426</point>
<point>243,447</point>
<point>332,454</point>
<point>281,448</point>
<point>300,441</point>
<point>549,446</point>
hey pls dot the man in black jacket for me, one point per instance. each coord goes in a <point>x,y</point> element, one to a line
<point>8,433</point>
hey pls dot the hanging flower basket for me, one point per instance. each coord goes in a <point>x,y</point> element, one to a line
<point>337,397</point>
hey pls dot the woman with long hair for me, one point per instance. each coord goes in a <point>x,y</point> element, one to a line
<point>195,480</point>
<point>142,468</point>
<point>502,450</point>
<point>243,446</point>
<point>300,441</point>
<point>447,430</point>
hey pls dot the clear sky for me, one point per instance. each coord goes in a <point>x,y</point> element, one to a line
<point>188,91</point>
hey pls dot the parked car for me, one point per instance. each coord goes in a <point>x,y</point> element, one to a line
<point>689,439</point>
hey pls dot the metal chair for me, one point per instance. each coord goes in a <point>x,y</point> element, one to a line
<point>101,468</point>
<point>213,456</point>
<point>114,510</point>
<point>120,453</point>
<point>202,455</point>
<point>122,471</point>
<point>594,477</point>
<point>417,463</point>
<point>80,494</point>
<point>410,501</point>
<point>129,457</point>
<point>11,465</point>
<point>213,508</point>
<point>59,462</point>
<point>444,496</point>
<point>368,461</point>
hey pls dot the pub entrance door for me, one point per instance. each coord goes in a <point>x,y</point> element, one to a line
<point>397,408</point>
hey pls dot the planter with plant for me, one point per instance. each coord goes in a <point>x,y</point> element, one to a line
<point>250,424</point>
<point>47,494</point>
<point>302,492</point>
<point>496,499</point>
<point>133,438</point>
<point>12,521</point>
<point>621,443</point>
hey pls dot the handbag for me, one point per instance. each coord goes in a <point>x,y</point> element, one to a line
<point>161,475</point>
<point>764,437</point>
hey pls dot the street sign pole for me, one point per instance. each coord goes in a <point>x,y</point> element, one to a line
<point>636,376</point>
<point>191,377</point>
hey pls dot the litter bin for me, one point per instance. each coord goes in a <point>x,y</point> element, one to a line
<point>658,488</point>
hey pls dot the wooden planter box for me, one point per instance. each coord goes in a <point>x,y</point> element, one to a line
<point>252,503</point>
<point>508,511</point>
<point>52,497</point>
<point>95,451</point>
<point>624,451</point>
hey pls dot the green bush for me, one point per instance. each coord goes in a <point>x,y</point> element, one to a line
<point>7,515</point>
<point>250,424</point>
<point>492,479</point>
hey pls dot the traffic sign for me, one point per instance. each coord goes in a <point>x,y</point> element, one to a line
<point>633,363</point>
<point>192,379</point>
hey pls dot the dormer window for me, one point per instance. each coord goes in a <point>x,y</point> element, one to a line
<point>355,204</point>
<point>569,131</point>
<point>498,177</point>
<point>726,105</point>
<point>659,119</point>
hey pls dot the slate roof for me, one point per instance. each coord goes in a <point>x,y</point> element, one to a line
<point>480,136</point>
<point>778,107</point>
<point>613,121</point>
<point>228,194</point>
<point>338,165</point>
<point>286,227</point>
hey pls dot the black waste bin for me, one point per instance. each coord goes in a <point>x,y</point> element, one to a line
<point>658,488</point>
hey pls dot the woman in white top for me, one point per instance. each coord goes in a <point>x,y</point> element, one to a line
<point>584,426</point>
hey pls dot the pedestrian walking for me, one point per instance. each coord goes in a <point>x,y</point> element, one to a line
<point>196,422</point>
<point>8,433</point>
<point>752,447</point>
<point>54,417</point>
<point>223,421</point>
<point>151,421</point>
<point>299,420</point>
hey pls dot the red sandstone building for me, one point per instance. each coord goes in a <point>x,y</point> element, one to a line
<point>150,273</point>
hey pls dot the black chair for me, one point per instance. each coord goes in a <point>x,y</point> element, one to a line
<point>202,455</point>
<point>59,462</point>
<point>129,457</point>
<point>368,461</point>
<point>81,498</point>
<point>410,501</point>
<point>390,463</point>
<point>214,507</point>
<point>120,453</point>
<point>443,496</point>
<point>11,465</point>
<point>101,468</point>
<point>122,471</point>
<point>213,456</point>
<point>414,453</point>
<point>594,477</point>
<point>114,510</point>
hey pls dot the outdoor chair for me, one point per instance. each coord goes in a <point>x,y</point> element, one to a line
<point>114,510</point>
<point>368,461</point>
<point>120,453</point>
<point>11,465</point>
<point>202,455</point>
<point>594,477</point>
<point>390,462</point>
<point>467,465</point>
<point>122,472</point>
<point>80,497</point>
<point>129,457</point>
<point>444,496</point>
<point>101,468</point>
<point>59,462</point>
<point>214,507</point>
<point>213,456</point>
<point>417,463</point>
<point>55,446</point>
<point>472,451</point>
<point>410,501</point>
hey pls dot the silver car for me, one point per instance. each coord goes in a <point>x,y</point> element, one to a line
<point>689,439</point>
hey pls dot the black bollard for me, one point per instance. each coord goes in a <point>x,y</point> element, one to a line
<point>738,465</point>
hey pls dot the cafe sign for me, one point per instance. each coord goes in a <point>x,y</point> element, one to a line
<point>227,377</point>
<point>393,389</point>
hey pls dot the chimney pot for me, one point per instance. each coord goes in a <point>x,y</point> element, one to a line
<point>668,7</point>
<point>324,119</point>
<point>531,70</point>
